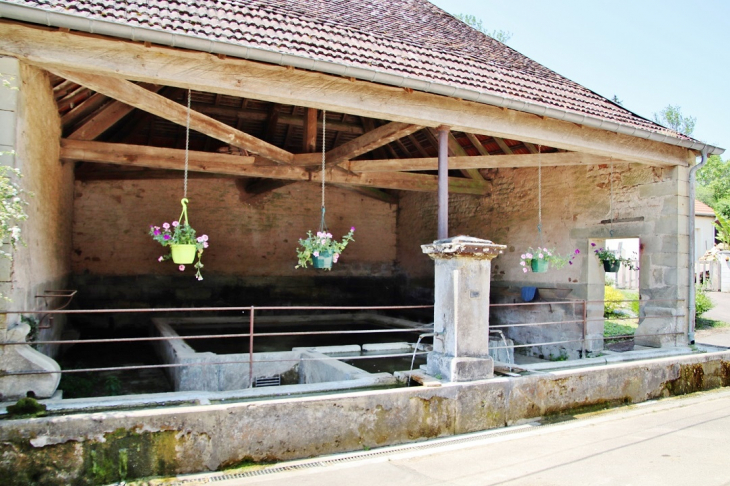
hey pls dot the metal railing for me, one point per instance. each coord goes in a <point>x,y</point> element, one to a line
<point>583,320</point>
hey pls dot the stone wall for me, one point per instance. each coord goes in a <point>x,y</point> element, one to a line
<point>33,130</point>
<point>112,218</point>
<point>574,202</point>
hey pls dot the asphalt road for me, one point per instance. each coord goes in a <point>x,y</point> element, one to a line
<point>676,441</point>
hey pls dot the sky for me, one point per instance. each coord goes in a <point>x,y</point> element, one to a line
<point>649,53</point>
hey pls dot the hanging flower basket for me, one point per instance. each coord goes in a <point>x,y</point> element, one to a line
<point>612,261</point>
<point>321,250</point>
<point>180,237</point>
<point>539,260</point>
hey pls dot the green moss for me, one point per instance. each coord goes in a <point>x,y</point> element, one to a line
<point>27,408</point>
<point>691,379</point>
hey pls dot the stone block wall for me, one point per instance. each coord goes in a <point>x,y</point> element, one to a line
<point>31,128</point>
<point>574,202</point>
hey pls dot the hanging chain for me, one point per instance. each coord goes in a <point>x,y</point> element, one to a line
<point>539,192</point>
<point>324,139</point>
<point>187,147</point>
<point>322,224</point>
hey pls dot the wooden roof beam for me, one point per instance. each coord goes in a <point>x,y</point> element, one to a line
<point>138,97</point>
<point>371,140</point>
<point>174,159</point>
<point>478,162</point>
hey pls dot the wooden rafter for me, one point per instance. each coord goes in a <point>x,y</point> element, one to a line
<point>503,145</point>
<point>105,118</point>
<point>371,140</point>
<point>370,192</point>
<point>478,162</point>
<point>309,140</point>
<point>477,144</point>
<point>455,149</point>
<point>161,158</point>
<point>139,97</point>
<point>90,105</point>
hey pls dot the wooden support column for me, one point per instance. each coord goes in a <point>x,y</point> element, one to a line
<point>443,183</point>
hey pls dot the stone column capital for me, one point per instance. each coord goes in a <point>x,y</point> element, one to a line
<point>463,247</point>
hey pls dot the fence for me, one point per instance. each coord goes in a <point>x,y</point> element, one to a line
<point>250,333</point>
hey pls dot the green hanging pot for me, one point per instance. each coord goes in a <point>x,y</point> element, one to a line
<point>324,260</point>
<point>183,254</point>
<point>539,265</point>
<point>611,266</point>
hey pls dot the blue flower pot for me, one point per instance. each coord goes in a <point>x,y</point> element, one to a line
<point>324,260</point>
<point>539,266</point>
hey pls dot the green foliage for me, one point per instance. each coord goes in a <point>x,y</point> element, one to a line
<point>612,301</point>
<point>501,35</point>
<point>713,184</point>
<point>723,229</point>
<point>180,233</point>
<point>612,257</point>
<point>672,117</point>
<point>702,301</point>
<point>33,323</point>
<point>556,260</point>
<point>112,385</point>
<point>12,208</point>
<point>613,328</point>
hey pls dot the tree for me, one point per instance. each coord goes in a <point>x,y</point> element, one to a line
<point>713,181</point>
<point>671,117</point>
<point>616,100</point>
<point>501,35</point>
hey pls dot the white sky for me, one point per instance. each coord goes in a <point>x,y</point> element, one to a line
<point>650,53</point>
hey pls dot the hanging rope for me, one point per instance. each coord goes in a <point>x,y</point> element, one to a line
<point>187,148</point>
<point>539,193</point>
<point>322,224</point>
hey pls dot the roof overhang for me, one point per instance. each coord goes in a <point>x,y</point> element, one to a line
<point>143,34</point>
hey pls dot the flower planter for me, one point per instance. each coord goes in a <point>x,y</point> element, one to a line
<point>183,254</point>
<point>611,266</point>
<point>539,266</point>
<point>324,260</point>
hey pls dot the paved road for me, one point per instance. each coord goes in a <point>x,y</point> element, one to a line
<point>677,441</point>
<point>721,312</point>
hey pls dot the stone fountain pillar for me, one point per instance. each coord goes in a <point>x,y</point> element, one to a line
<point>461,313</point>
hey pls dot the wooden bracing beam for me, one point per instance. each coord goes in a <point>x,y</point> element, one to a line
<point>371,140</point>
<point>478,162</point>
<point>138,97</point>
<point>174,159</point>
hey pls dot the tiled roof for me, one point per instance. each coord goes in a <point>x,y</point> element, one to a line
<point>702,209</point>
<point>410,38</point>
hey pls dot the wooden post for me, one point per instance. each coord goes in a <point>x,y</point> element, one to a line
<point>443,183</point>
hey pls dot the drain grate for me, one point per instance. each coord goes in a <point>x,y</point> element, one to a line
<point>268,381</point>
<point>364,455</point>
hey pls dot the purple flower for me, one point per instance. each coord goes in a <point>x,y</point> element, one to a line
<point>593,244</point>
<point>167,237</point>
<point>352,228</point>
<point>157,232</point>
<point>570,262</point>
<point>577,251</point>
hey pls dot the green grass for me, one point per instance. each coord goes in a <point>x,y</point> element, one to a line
<point>620,324</point>
<point>702,323</point>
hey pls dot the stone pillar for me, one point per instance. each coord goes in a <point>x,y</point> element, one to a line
<point>461,313</point>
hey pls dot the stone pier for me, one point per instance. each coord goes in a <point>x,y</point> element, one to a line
<point>461,313</point>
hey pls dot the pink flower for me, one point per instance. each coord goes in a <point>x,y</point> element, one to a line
<point>577,251</point>
<point>352,228</point>
<point>335,257</point>
<point>522,263</point>
<point>175,224</point>
<point>199,239</point>
<point>324,242</point>
<point>205,237</point>
<point>205,244</point>
<point>161,259</point>
<point>328,235</point>
<point>523,256</point>
<point>528,256</point>
<point>316,253</point>
<point>524,270</point>
<point>181,268</point>
<point>540,255</point>
<point>166,225</point>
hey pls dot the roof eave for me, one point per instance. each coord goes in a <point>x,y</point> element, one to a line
<point>144,34</point>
